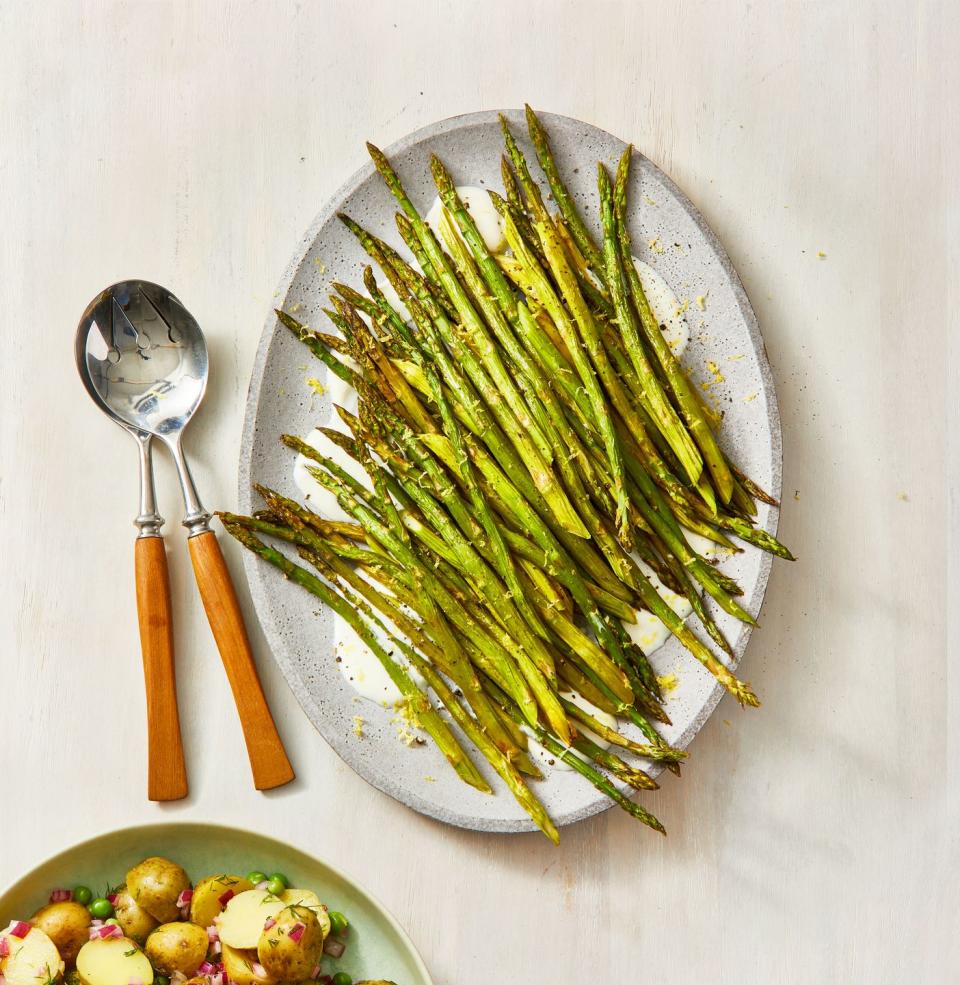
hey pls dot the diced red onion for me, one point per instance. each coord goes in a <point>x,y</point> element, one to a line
<point>61,895</point>
<point>296,932</point>
<point>184,898</point>
<point>215,947</point>
<point>20,929</point>
<point>326,980</point>
<point>105,932</point>
<point>316,971</point>
<point>206,968</point>
<point>226,897</point>
<point>258,970</point>
<point>262,885</point>
<point>4,947</point>
<point>212,933</point>
<point>333,947</point>
<point>217,979</point>
<point>269,922</point>
<point>112,898</point>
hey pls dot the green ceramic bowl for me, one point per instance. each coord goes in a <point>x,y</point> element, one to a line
<point>378,946</point>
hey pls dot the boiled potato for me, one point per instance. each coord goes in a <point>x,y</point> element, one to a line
<point>242,967</point>
<point>241,923</point>
<point>32,959</point>
<point>134,920</point>
<point>113,961</point>
<point>156,884</point>
<point>205,906</point>
<point>304,897</point>
<point>177,947</point>
<point>286,959</point>
<point>67,924</point>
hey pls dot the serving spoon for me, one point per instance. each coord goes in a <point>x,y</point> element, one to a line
<point>143,358</point>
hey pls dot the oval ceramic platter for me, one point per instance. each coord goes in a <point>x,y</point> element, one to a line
<point>377,946</point>
<point>725,352</point>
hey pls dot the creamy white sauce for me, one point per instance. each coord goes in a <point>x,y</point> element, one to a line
<point>362,669</point>
<point>316,496</point>
<point>705,547</point>
<point>648,632</point>
<point>665,307</point>
<point>546,758</point>
<point>478,204</point>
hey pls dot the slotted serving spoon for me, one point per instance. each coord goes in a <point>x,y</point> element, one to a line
<point>143,359</point>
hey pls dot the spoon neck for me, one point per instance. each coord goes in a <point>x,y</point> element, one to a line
<point>148,521</point>
<point>196,518</point>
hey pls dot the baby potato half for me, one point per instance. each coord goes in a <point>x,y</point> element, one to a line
<point>134,920</point>
<point>212,894</point>
<point>242,966</point>
<point>177,948</point>
<point>290,947</point>
<point>155,885</point>
<point>32,956</point>
<point>67,924</point>
<point>113,961</point>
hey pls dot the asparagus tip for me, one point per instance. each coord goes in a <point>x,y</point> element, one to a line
<point>744,694</point>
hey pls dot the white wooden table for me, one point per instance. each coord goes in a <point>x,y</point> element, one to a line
<point>191,143</point>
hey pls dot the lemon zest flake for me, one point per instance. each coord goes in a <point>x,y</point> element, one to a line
<point>714,371</point>
<point>668,682</point>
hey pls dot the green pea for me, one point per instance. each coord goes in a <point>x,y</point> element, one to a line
<point>82,894</point>
<point>280,877</point>
<point>255,877</point>
<point>101,908</point>
<point>161,980</point>
<point>342,978</point>
<point>338,922</point>
<point>112,922</point>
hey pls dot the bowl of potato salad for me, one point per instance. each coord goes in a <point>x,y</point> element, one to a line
<point>197,904</point>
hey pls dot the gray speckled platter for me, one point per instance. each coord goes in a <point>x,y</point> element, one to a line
<point>672,237</point>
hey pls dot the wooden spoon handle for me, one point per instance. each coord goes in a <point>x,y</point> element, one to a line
<point>268,760</point>
<point>166,772</point>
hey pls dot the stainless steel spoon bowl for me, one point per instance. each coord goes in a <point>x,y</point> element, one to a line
<point>143,357</point>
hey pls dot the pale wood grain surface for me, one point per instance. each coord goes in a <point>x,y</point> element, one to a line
<point>812,841</point>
